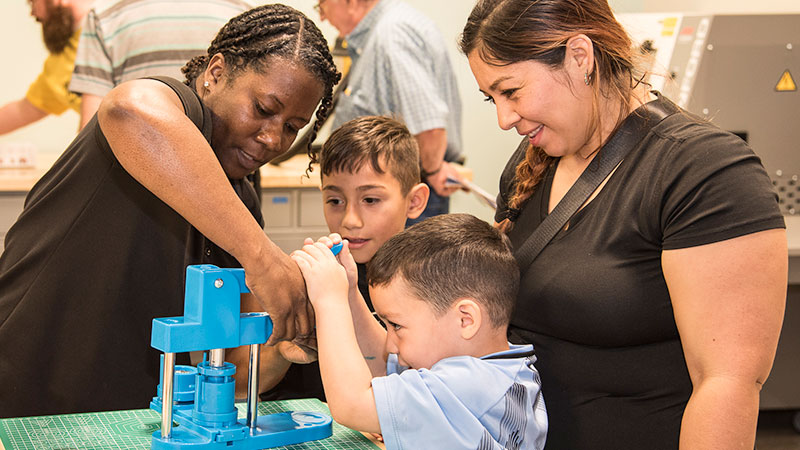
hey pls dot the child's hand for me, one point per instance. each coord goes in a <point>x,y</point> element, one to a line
<point>344,256</point>
<point>326,279</point>
<point>349,264</point>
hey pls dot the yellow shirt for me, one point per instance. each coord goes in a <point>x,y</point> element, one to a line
<point>50,90</point>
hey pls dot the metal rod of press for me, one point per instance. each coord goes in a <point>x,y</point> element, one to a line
<point>217,357</point>
<point>252,386</point>
<point>166,395</point>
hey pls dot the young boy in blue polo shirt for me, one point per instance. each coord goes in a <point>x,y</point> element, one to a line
<point>370,182</point>
<point>442,374</point>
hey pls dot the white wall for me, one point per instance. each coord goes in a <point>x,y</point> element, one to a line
<point>486,146</point>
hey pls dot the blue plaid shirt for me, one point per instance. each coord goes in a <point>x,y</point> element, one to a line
<point>488,403</point>
<point>400,68</point>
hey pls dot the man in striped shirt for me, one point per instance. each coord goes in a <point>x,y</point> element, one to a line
<point>127,39</point>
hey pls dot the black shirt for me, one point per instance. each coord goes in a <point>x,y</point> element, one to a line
<point>595,303</point>
<point>92,259</point>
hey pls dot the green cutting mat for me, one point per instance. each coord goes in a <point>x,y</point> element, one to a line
<point>133,430</point>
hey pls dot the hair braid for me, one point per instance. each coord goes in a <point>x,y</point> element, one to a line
<point>317,54</point>
<point>272,30</point>
<point>528,174</point>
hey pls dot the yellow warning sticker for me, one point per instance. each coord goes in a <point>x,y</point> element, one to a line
<point>669,26</point>
<point>786,83</point>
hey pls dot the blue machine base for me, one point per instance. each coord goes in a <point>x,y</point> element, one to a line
<point>273,430</point>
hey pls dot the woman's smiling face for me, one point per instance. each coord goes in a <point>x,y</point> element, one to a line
<point>256,115</point>
<point>538,102</point>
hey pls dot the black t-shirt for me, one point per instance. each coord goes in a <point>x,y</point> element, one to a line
<point>595,303</point>
<point>92,259</point>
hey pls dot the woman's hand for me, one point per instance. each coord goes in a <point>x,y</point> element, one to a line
<point>280,290</point>
<point>299,350</point>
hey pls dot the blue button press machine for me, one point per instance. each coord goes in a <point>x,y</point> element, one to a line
<point>201,399</point>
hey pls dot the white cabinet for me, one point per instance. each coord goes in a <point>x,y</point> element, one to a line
<point>291,215</point>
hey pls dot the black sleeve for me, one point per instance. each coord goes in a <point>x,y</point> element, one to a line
<point>713,187</point>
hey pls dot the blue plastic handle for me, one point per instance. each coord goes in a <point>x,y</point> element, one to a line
<point>337,248</point>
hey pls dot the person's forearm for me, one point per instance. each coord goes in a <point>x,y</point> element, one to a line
<point>345,374</point>
<point>722,413</point>
<point>435,170</point>
<point>369,333</point>
<point>17,114</point>
<point>432,148</point>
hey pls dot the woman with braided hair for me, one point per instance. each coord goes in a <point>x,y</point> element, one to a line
<point>153,183</point>
<point>655,310</point>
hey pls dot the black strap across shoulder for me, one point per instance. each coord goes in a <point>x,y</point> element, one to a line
<point>630,132</point>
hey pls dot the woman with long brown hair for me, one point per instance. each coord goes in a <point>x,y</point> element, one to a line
<point>655,311</point>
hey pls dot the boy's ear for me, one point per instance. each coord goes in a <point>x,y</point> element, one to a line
<point>418,200</point>
<point>470,317</point>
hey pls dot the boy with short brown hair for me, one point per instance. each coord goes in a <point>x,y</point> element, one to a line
<point>442,374</point>
<point>370,174</point>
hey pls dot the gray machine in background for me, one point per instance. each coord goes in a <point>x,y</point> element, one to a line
<point>742,73</point>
